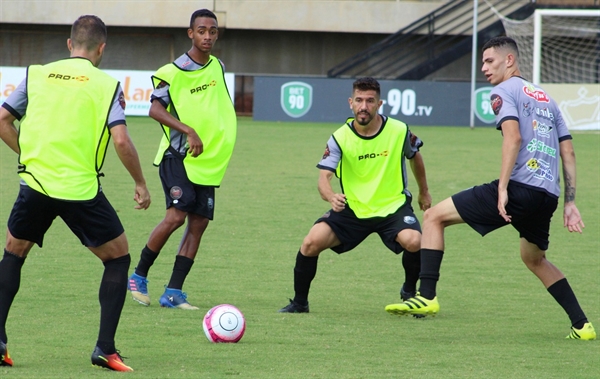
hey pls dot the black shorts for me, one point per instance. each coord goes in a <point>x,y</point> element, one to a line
<point>181,193</point>
<point>351,230</point>
<point>531,210</point>
<point>94,222</point>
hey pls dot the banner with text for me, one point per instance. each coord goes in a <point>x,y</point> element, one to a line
<point>326,100</point>
<point>137,86</point>
<point>414,102</point>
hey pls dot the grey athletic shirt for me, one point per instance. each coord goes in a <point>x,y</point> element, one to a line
<point>542,129</point>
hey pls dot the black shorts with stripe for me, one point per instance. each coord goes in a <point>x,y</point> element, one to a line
<point>351,230</point>
<point>94,221</point>
<point>531,210</point>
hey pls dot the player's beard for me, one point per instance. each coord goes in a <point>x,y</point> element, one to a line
<point>367,118</point>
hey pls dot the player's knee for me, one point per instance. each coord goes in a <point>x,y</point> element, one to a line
<point>410,241</point>
<point>428,216</point>
<point>175,220</point>
<point>310,247</point>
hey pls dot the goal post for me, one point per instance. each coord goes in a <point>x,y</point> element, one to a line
<point>583,26</point>
<point>560,50</point>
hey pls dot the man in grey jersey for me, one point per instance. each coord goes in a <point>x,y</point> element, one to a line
<point>526,194</point>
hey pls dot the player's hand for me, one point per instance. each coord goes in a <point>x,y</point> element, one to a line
<point>572,218</point>
<point>196,147</point>
<point>424,200</point>
<point>502,201</point>
<point>338,202</point>
<point>142,197</point>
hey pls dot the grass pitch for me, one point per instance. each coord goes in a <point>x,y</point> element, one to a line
<point>496,319</point>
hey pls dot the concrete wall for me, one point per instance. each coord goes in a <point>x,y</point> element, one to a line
<point>276,37</point>
<point>354,16</point>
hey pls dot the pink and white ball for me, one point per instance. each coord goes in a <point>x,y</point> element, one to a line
<point>224,323</point>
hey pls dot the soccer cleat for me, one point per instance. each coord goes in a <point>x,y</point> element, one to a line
<point>110,361</point>
<point>4,356</point>
<point>138,285</point>
<point>173,298</point>
<point>586,333</point>
<point>405,295</point>
<point>294,307</point>
<point>417,305</point>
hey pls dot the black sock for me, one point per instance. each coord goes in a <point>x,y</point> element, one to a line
<point>10,280</point>
<point>412,267</point>
<point>113,289</point>
<point>431,261</point>
<point>304,272</point>
<point>181,269</point>
<point>563,294</point>
<point>147,259</point>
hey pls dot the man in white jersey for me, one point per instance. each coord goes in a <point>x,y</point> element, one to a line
<point>192,103</point>
<point>368,154</point>
<point>526,194</point>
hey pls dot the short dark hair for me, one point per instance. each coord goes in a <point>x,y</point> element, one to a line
<point>500,42</point>
<point>88,32</point>
<point>201,13</point>
<point>365,84</point>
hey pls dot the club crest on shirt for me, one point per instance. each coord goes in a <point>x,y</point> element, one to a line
<point>326,153</point>
<point>496,102</point>
<point>121,99</point>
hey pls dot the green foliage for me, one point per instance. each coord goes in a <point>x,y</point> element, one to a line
<point>496,320</point>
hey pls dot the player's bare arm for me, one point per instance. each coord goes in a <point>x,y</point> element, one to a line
<point>511,142</point>
<point>160,114</point>
<point>417,165</point>
<point>337,200</point>
<point>130,159</point>
<point>8,131</point>
<point>571,216</point>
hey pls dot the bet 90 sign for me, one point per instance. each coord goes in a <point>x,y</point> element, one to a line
<point>483,106</point>
<point>296,98</point>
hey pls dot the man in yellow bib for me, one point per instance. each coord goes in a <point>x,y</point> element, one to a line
<point>192,103</point>
<point>72,109</point>
<point>367,154</point>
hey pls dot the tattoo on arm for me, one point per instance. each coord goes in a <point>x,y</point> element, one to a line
<point>569,188</point>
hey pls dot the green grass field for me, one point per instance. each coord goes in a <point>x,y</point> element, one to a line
<point>496,319</point>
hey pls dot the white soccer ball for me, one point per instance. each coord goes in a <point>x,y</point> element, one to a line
<point>224,323</point>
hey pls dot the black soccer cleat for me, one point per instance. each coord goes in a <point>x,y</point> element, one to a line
<point>110,361</point>
<point>294,307</point>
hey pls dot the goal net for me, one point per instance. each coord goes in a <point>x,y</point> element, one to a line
<point>558,45</point>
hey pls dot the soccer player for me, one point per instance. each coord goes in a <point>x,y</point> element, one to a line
<point>367,154</point>
<point>526,194</point>
<point>72,109</point>
<point>192,103</point>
